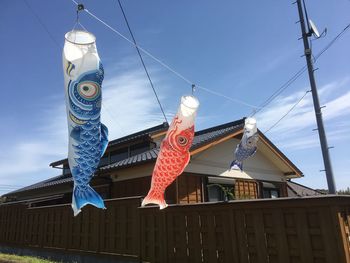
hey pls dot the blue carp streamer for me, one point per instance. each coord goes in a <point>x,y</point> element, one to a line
<point>88,137</point>
<point>247,147</point>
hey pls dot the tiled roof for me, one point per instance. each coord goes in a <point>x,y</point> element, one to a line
<point>147,132</point>
<point>298,190</point>
<point>215,133</point>
<point>50,182</point>
<point>162,127</point>
<point>201,138</point>
<point>144,157</point>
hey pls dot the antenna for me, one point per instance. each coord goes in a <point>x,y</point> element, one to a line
<point>314,31</point>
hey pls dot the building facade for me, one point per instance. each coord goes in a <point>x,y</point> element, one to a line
<point>125,170</point>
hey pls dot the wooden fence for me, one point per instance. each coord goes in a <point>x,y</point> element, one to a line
<point>114,231</point>
<point>314,229</point>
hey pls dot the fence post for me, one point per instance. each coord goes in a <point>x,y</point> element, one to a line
<point>164,233</point>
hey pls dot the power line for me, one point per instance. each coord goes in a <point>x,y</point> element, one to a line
<point>280,90</point>
<point>285,115</point>
<point>59,46</point>
<point>41,23</point>
<point>298,73</point>
<point>143,63</point>
<point>163,64</point>
<point>256,108</point>
<point>332,42</point>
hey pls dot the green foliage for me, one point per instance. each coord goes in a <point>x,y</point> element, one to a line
<point>6,258</point>
<point>227,190</point>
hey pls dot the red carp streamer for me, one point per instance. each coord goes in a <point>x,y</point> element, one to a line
<point>174,152</point>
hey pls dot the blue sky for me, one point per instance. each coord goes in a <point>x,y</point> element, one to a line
<point>243,49</point>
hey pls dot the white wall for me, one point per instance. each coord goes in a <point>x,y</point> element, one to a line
<point>217,159</point>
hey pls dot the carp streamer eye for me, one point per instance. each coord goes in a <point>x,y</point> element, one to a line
<point>182,140</point>
<point>249,141</point>
<point>89,90</point>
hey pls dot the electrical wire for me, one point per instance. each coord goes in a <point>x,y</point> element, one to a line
<point>285,115</point>
<point>163,64</point>
<point>280,90</point>
<point>41,23</point>
<point>256,109</point>
<point>332,42</point>
<point>59,46</point>
<point>143,63</point>
<point>298,74</point>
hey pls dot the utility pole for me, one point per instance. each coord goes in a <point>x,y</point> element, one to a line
<point>321,131</point>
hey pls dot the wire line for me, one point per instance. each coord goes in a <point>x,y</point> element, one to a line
<point>280,90</point>
<point>285,115</point>
<point>299,73</point>
<point>163,64</point>
<point>332,42</point>
<point>59,46</point>
<point>256,109</point>
<point>143,63</point>
<point>41,23</point>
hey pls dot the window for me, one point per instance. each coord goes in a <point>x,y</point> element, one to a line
<point>270,190</point>
<point>215,193</point>
<point>270,193</point>
<point>219,192</point>
<point>220,188</point>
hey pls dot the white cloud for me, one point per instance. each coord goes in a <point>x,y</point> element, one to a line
<point>295,131</point>
<point>338,107</point>
<point>128,106</point>
<point>311,140</point>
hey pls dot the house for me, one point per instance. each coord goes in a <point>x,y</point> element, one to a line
<point>38,219</point>
<point>126,167</point>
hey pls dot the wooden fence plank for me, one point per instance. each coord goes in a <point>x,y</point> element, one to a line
<point>235,241</point>
<point>304,237</point>
<point>242,236</point>
<point>260,236</point>
<point>328,235</point>
<point>282,244</point>
<point>287,230</point>
<point>194,245</point>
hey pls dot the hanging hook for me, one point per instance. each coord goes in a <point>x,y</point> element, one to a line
<point>80,7</point>
<point>193,88</point>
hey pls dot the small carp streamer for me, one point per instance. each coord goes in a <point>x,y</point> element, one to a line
<point>88,137</point>
<point>174,152</point>
<point>247,146</point>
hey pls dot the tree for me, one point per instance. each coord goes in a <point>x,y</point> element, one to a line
<point>344,192</point>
